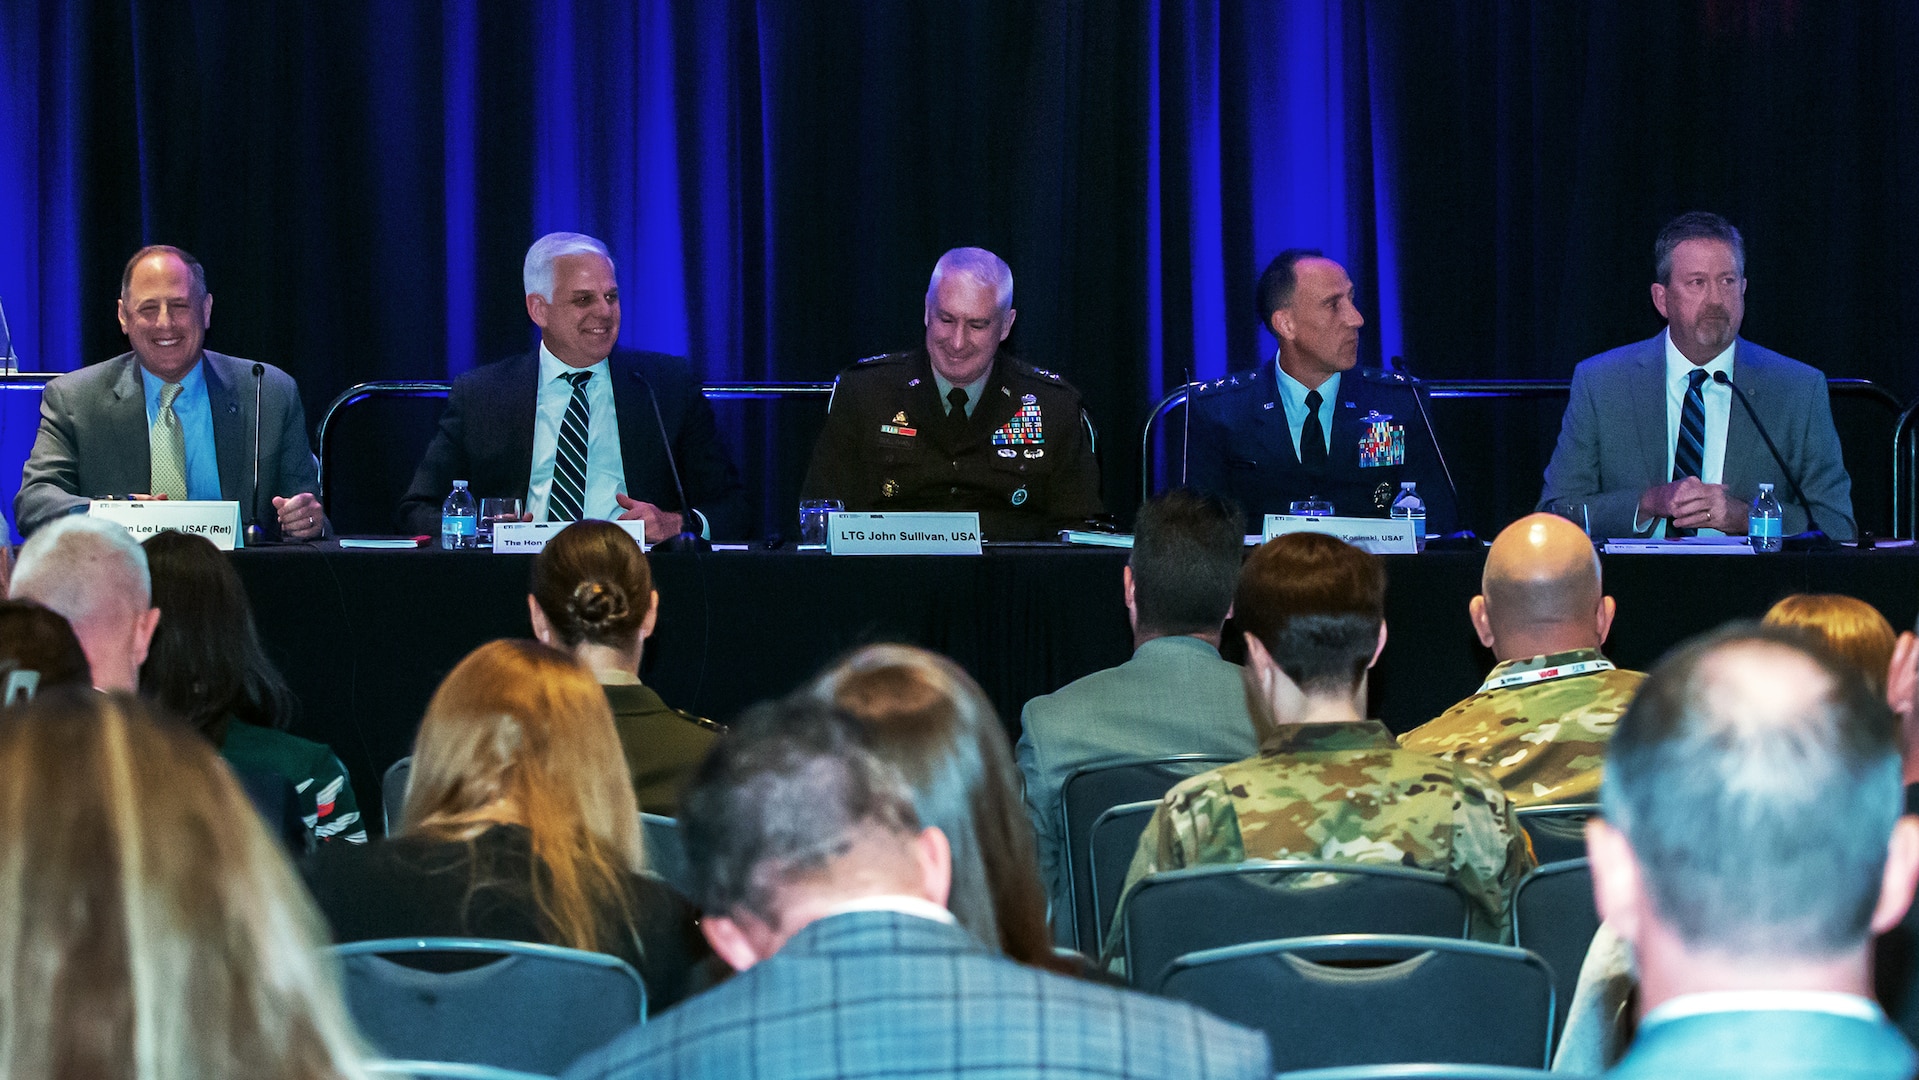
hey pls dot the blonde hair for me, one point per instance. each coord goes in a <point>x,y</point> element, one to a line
<point>150,929</point>
<point>1854,630</point>
<point>520,734</point>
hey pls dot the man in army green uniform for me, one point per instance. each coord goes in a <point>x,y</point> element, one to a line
<point>957,424</point>
<point>1541,720</point>
<point>1327,782</point>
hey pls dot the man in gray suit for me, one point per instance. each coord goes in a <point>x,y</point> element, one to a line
<point>1175,696</point>
<point>1752,846</point>
<point>171,419</point>
<point>1654,443</point>
<point>822,889</point>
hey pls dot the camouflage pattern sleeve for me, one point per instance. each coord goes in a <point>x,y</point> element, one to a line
<point>1194,824</point>
<point>1490,851</point>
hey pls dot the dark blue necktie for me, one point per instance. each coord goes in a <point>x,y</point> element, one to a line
<point>1312,437</point>
<point>1689,453</point>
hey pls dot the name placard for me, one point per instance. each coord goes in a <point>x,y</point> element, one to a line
<point>1381,536</point>
<point>216,519</point>
<point>531,537</point>
<point>924,532</point>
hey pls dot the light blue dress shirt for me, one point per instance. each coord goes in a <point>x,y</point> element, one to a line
<point>605,471</point>
<point>195,412</point>
<point>1292,397</point>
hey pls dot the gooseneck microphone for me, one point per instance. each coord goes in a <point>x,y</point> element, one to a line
<point>1186,432</point>
<point>257,533</point>
<point>1392,374</point>
<point>1812,523</point>
<point>689,538</point>
<point>10,361</point>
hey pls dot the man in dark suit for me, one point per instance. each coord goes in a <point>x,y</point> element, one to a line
<point>571,426</point>
<point>1752,846</point>
<point>821,888</point>
<point>1653,442</point>
<point>171,419</point>
<point>1308,423</point>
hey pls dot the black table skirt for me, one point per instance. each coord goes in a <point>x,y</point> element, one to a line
<point>365,636</point>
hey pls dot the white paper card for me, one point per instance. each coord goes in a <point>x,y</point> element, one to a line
<point>216,519</point>
<point>902,533</point>
<point>1381,536</point>
<point>531,537</point>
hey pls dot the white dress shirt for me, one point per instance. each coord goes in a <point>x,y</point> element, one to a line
<point>605,471</point>
<point>1718,402</point>
<point>1724,1001</point>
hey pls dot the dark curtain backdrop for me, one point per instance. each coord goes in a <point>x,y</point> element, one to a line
<point>776,178</point>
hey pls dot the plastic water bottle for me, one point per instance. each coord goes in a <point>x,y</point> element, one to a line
<point>459,520</point>
<point>1765,525</point>
<point>1412,508</point>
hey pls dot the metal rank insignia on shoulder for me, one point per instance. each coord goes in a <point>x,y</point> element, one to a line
<point>1024,429</point>
<point>899,426</point>
<point>1381,442</point>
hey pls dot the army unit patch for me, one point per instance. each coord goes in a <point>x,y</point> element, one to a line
<point>1381,442</point>
<point>1024,429</point>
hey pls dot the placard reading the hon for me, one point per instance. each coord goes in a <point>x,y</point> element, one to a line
<point>923,532</point>
<point>216,519</point>
<point>531,537</point>
<point>1381,536</point>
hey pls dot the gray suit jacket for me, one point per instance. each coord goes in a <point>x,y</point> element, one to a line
<point>881,994</point>
<point>93,439</point>
<point>1613,443</point>
<point>1175,696</point>
<point>1767,1045</point>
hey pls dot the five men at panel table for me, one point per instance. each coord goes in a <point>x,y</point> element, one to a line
<point>171,419</point>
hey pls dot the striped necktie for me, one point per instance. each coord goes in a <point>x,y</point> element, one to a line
<point>566,501</point>
<point>167,448</point>
<point>1689,453</point>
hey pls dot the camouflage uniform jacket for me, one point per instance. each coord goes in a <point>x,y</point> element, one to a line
<point>1344,792</point>
<point>1545,741</point>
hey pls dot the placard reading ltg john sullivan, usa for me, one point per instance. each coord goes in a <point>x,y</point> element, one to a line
<point>903,533</point>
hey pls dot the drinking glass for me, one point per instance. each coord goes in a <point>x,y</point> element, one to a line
<point>493,510</point>
<point>813,520</point>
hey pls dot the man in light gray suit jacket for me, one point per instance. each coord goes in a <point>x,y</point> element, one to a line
<point>1752,845</point>
<point>98,425</point>
<point>1654,443</point>
<point>1175,696</point>
<point>822,889</point>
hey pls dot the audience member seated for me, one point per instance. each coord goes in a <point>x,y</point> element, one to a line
<point>593,596</point>
<point>931,721</point>
<point>1540,721</point>
<point>149,927</point>
<point>822,887</point>
<point>1327,782</point>
<point>92,574</point>
<point>1853,629</point>
<point>520,824</point>
<point>205,664</point>
<point>38,652</point>
<point>1752,844</point>
<point>1175,696</point>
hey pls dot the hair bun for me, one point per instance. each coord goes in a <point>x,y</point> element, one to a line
<point>596,603</point>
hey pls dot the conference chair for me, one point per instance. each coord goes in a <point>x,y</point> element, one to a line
<point>1425,1071</point>
<point>665,851</point>
<point>1554,915</point>
<point>1169,915</point>
<point>371,437</point>
<point>1092,790</point>
<point>1110,846</point>
<point>451,1070</point>
<point>393,792</point>
<point>529,1007</point>
<point>1374,999</point>
<point>1558,830</point>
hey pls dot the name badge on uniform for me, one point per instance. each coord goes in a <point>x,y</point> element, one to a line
<point>1024,429</point>
<point>1381,442</point>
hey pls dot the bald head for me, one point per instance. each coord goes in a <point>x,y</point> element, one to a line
<point>1540,592</point>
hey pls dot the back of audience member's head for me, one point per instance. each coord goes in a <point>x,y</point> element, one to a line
<point>929,719</point>
<point>94,575</point>
<point>1187,549</point>
<point>149,926</point>
<point>206,663</point>
<point>1853,629</point>
<point>1317,604</point>
<point>1756,779</point>
<point>519,734</point>
<point>38,652</point>
<point>593,586</point>
<point>1540,590</point>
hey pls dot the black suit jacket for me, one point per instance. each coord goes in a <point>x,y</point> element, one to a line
<point>486,439</point>
<point>1241,447</point>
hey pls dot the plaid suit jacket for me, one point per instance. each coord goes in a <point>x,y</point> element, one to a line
<point>883,994</point>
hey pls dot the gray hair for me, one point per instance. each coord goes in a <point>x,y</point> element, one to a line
<point>982,266</point>
<point>1695,225</point>
<point>83,568</point>
<point>537,274</point>
<point>1759,819</point>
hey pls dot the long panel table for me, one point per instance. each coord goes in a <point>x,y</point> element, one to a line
<point>365,636</point>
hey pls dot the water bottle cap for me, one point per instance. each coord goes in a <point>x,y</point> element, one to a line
<point>1408,485</point>
<point>1765,489</point>
<point>459,485</point>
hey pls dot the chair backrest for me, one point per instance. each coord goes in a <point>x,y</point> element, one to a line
<point>1558,830</point>
<point>451,1070</point>
<point>665,852</point>
<point>393,792</point>
<point>1166,916</point>
<point>1110,847</point>
<point>1365,999</point>
<point>1554,915</point>
<point>371,437</point>
<point>534,1008</point>
<point>1091,791</point>
<point>1422,1071</point>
